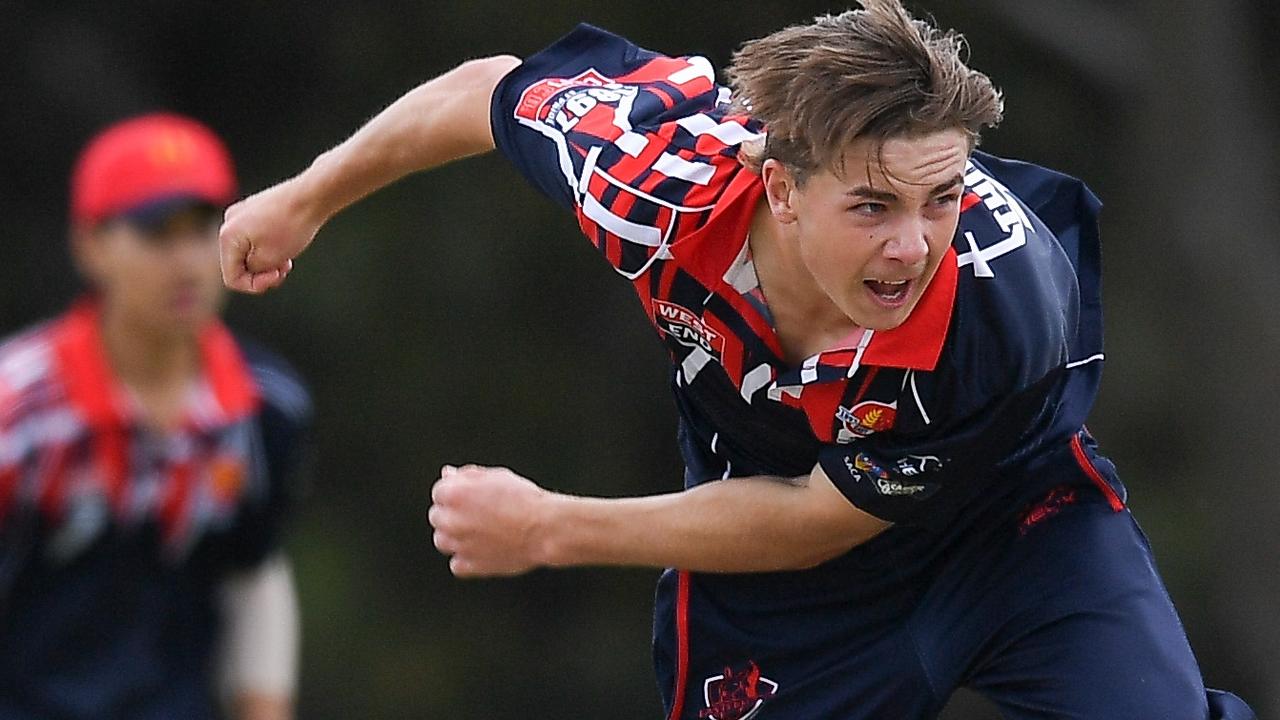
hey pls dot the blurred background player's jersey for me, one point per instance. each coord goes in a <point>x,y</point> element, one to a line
<point>114,537</point>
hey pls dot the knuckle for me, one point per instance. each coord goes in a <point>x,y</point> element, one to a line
<point>442,491</point>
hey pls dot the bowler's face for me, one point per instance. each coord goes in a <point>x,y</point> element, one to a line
<point>873,237</point>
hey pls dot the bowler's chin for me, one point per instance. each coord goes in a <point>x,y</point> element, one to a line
<point>880,319</point>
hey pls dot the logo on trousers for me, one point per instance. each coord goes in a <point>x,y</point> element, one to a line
<point>737,694</point>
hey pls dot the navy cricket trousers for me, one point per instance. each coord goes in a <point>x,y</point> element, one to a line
<point>1054,613</point>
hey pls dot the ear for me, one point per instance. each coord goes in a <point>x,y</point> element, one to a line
<point>779,189</point>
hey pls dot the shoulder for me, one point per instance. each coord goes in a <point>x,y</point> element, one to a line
<point>594,64</point>
<point>1018,299</point>
<point>280,386</point>
<point>594,115</point>
<point>28,371</point>
<point>592,86</point>
<point>1003,248</point>
<point>1011,204</point>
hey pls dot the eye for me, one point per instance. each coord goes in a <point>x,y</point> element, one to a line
<point>869,208</point>
<point>156,237</point>
<point>946,200</point>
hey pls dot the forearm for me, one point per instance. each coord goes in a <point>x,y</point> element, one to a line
<point>260,642</point>
<point>754,524</point>
<point>441,120</point>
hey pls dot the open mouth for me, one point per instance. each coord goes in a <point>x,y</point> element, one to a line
<point>891,293</point>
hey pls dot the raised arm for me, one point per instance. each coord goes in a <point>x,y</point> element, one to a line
<point>494,522</point>
<point>439,121</point>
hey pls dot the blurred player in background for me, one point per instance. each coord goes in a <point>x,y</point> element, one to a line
<point>884,348</point>
<point>145,456</point>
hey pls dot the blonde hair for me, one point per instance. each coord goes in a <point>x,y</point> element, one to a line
<point>870,73</point>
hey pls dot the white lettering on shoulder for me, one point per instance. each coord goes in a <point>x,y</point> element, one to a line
<point>1008,214</point>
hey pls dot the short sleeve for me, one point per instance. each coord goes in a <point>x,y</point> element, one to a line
<point>637,144</point>
<point>588,92</point>
<point>919,479</point>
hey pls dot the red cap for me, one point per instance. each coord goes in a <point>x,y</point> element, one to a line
<point>149,159</point>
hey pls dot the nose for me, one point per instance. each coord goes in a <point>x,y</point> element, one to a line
<point>910,245</point>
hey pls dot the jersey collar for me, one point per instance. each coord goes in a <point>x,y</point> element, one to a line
<point>227,383</point>
<point>916,344</point>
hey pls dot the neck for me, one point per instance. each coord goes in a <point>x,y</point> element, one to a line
<point>805,319</point>
<point>144,358</point>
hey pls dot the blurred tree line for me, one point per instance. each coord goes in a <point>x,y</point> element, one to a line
<point>458,317</point>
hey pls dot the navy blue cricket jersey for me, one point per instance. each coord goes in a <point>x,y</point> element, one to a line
<point>114,538</point>
<point>997,365</point>
<point>967,414</point>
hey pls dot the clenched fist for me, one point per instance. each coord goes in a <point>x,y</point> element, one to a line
<point>489,520</point>
<point>262,234</point>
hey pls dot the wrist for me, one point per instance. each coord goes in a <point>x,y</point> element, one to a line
<point>314,194</point>
<point>550,544</point>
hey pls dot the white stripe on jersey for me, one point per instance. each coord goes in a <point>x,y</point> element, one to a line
<point>25,361</point>
<point>857,355</point>
<point>674,166</point>
<point>283,391</point>
<point>632,143</point>
<point>693,364</point>
<point>662,253</point>
<point>809,370</point>
<point>640,194</point>
<point>776,391</point>
<point>698,67</point>
<point>1086,361</point>
<point>47,427</point>
<point>741,274</point>
<point>588,167</point>
<point>727,132</point>
<point>562,151</point>
<point>916,393</point>
<point>756,379</point>
<point>620,226</point>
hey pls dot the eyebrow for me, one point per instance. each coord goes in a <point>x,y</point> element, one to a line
<point>865,191</point>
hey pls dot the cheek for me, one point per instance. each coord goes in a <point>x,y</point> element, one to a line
<point>139,272</point>
<point>837,263</point>
<point>817,251</point>
<point>841,246</point>
<point>942,236</point>
<point>113,267</point>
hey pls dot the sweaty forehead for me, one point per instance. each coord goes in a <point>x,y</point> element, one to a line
<point>907,164</point>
